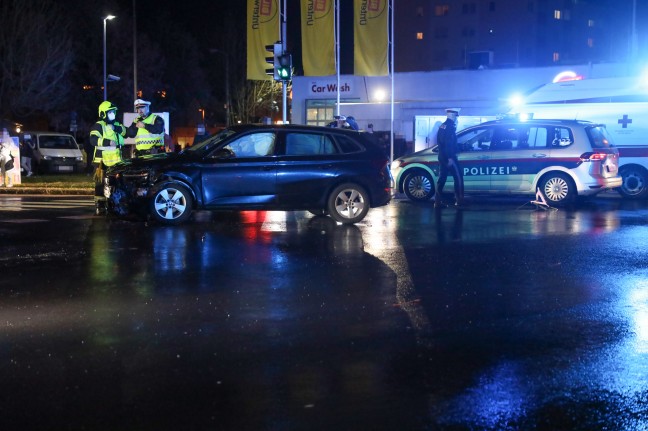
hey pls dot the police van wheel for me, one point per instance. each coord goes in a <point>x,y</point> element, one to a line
<point>171,204</point>
<point>558,188</point>
<point>635,182</point>
<point>418,186</point>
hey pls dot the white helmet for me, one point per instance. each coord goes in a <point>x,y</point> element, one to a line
<point>141,102</point>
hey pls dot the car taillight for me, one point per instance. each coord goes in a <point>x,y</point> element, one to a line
<point>591,157</point>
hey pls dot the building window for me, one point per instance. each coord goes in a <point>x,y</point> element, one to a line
<point>468,8</point>
<point>320,112</point>
<point>419,36</point>
<point>557,14</point>
<point>590,42</point>
<point>590,23</point>
<point>468,32</point>
<point>556,57</point>
<point>441,10</point>
<point>441,56</point>
<point>419,11</point>
<point>440,32</point>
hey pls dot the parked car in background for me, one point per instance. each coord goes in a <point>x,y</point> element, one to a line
<point>54,152</point>
<point>561,158</point>
<point>257,167</point>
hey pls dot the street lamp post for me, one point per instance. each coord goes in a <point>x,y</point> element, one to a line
<point>105,86</point>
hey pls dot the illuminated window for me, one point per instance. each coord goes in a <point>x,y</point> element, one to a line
<point>419,36</point>
<point>556,57</point>
<point>590,23</point>
<point>557,14</point>
<point>590,42</point>
<point>441,10</point>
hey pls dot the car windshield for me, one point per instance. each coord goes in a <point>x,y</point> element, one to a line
<point>57,142</point>
<point>210,142</point>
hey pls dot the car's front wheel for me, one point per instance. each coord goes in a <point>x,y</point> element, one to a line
<point>171,204</point>
<point>558,188</point>
<point>635,182</point>
<point>418,186</point>
<point>348,204</point>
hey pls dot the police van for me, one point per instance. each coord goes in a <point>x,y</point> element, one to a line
<point>619,103</point>
<point>561,159</point>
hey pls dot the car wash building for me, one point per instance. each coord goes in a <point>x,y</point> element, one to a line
<point>420,98</point>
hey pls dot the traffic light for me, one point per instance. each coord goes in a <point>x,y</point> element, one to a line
<point>285,67</point>
<point>276,49</point>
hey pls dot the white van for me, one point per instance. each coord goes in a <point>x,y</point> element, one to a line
<point>54,152</point>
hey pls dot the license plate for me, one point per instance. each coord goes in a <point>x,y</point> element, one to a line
<point>65,168</point>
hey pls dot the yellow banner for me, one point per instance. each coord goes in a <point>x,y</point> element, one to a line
<point>370,37</point>
<point>318,37</point>
<point>262,29</point>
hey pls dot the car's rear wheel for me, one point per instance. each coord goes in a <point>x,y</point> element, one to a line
<point>171,204</point>
<point>418,186</point>
<point>558,188</point>
<point>635,182</point>
<point>349,203</point>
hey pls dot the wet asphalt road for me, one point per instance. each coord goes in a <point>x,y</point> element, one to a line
<point>499,317</point>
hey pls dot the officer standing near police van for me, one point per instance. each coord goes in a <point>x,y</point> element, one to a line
<point>147,129</point>
<point>107,138</point>
<point>448,161</point>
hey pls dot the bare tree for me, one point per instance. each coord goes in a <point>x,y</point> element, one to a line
<point>256,99</point>
<point>35,57</point>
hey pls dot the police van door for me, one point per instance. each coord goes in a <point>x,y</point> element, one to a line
<point>519,152</point>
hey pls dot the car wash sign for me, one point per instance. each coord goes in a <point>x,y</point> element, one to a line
<point>327,88</point>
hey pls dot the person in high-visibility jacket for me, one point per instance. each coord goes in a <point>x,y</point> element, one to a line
<point>107,138</point>
<point>147,129</point>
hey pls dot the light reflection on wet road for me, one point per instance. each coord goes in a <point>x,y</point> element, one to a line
<point>497,317</point>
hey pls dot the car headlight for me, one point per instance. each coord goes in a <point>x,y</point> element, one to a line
<point>135,175</point>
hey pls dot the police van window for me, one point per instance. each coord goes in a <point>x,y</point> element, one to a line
<point>478,139</point>
<point>537,137</point>
<point>504,138</point>
<point>599,137</point>
<point>561,137</point>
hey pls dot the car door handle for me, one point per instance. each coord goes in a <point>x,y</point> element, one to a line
<point>539,155</point>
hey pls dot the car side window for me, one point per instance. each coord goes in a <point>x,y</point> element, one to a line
<point>252,145</point>
<point>347,145</point>
<point>308,144</point>
<point>478,139</point>
<point>561,137</point>
<point>537,137</point>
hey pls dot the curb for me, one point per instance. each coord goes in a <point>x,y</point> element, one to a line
<point>19,190</point>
